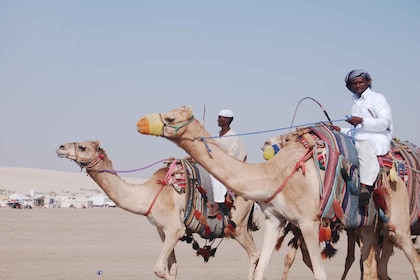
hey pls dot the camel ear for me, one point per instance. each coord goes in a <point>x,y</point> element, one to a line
<point>189,109</point>
<point>97,143</point>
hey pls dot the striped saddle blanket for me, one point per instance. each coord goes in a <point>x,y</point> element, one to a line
<point>341,177</point>
<point>192,179</point>
<point>341,181</point>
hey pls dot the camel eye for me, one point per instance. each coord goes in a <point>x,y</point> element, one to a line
<point>169,120</point>
<point>82,148</point>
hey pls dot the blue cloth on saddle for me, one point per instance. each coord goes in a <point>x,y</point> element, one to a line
<point>341,180</point>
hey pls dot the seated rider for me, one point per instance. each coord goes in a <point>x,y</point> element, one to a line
<point>231,144</point>
<point>371,119</point>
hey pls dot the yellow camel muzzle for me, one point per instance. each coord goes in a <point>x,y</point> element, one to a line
<point>150,124</point>
<point>268,153</point>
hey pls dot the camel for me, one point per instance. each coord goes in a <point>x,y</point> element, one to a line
<point>288,189</point>
<point>160,203</point>
<point>353,237</point>
<point>273,144</point>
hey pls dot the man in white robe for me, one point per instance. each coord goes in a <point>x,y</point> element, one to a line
<point>371,119</point>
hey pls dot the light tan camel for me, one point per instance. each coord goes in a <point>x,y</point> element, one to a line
<point>162,205</point>
<point>288,188</point>
<point>384,252</point>
<point>353,237</point>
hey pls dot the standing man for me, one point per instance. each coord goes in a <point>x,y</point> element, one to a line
<point>232,145</point>
<point>371,119</point>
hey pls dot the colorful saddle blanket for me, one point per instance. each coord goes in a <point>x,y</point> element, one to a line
<point>341,177</point>
<point>341,181</point>
<point>193,180</point>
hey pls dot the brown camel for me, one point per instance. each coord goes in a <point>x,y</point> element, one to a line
<point>288,189</point>
<point>161,204</point>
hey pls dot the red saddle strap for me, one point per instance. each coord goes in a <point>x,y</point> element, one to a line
<point>298,165</point>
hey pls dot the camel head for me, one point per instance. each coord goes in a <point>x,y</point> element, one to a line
<point>165,124</point>
<point>271,147</point>
<point>273,144</point>
<point>86,154</point>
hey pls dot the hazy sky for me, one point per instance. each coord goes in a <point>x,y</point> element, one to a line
<point>88,70</point>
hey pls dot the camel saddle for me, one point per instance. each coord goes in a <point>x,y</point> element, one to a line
<point>187,176</point>
<point>337,155</point>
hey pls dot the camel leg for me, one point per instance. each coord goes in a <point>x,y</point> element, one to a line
<point>369,244</point>
<point>305,254</point>
<point>288,261</point>
<point>312,243</point>
<point>386,253</point>
<point>400,219</point>
<point>351,245</point>
<point>410,252</point>
<point>271,233</point>
<point>291,255</point>
<point>240,215</point>
<point>166,267</point>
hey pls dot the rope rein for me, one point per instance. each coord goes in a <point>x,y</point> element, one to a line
<point>132,170</point>
<point>270,130</point>
<point>204,140</point>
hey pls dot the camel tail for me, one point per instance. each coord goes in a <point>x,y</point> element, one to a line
<point>252,225</point>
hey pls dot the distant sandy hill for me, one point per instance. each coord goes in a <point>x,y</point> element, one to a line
<point>23,180</point>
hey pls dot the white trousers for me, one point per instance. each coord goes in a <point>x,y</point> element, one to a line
<point>219,190</point>
<point>368,162</point>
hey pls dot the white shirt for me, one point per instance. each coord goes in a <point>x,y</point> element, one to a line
<point>377,124</point>
<point>231,144</point>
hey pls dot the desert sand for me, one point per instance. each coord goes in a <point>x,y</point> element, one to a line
<point>78,243</point>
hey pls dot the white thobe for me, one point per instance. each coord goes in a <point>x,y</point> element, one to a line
<point>373,136</point>
<point>233,146</point>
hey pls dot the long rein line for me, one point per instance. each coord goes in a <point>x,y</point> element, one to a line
<point>132,170</point>
<point>269,130</point>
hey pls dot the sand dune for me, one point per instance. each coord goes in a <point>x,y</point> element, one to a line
<point>23,180</point>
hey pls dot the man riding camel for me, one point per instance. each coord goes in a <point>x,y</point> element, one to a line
<point>232,145</point>
<point>371,119</point>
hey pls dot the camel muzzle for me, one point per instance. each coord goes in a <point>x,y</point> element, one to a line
<point>151,125</point>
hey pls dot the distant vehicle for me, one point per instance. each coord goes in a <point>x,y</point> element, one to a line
<point>15,205</point>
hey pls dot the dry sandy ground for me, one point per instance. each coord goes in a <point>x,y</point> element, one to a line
<point>76,243</point>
